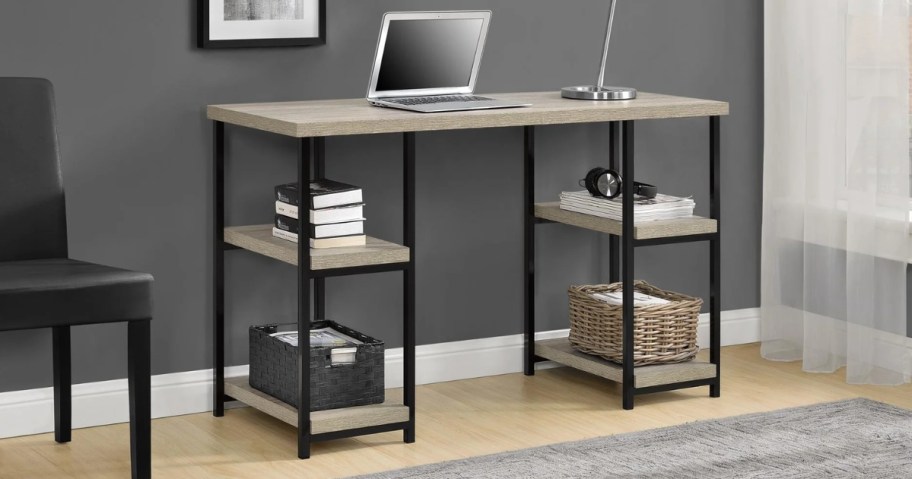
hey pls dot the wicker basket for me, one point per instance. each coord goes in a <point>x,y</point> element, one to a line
<point>274,369</point>
<point>661,334</point>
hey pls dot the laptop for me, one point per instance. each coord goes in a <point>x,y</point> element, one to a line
<point>428,62</point>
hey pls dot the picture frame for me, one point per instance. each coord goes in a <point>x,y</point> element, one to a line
<point>260,23</point>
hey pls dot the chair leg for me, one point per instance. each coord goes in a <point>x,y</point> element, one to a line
<point>139,378</point>
<point>63,396</point>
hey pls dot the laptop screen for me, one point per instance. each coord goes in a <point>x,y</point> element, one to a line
<point>435,53</point>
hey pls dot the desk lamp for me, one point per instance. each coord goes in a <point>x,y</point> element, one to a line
<point>600,91</point>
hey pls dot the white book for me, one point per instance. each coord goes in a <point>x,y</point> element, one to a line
<point>338,214</point>
<point>638,217</point>
<point>286,209</point>
<point>659,203</point>
<point>285,235</point>
<point>338,229</point>
<point>324,216</point>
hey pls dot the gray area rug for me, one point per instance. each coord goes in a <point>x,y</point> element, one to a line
<point>854,438</point>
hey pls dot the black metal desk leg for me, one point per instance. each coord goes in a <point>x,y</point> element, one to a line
<point>319,158</point>
<point>63,383</point>
<point>139,379</point>
<point>715,260</point>
<point>628,273</point>
<point>218,269</point>
<point>529,250</point>
<point>614,149</point>
<point>304,277</point>
<point>319,298</point>
<point>408,283</point>
<point>319,149</point>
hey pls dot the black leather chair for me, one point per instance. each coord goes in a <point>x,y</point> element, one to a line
<point>40,287</point>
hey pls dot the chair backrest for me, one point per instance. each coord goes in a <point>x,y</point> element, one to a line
<point>32,208</point>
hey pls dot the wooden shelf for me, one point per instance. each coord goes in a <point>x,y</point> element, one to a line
<point>648,230</point>
<point>560,351</point>
<point>259,239</point>
<point>331,420</point>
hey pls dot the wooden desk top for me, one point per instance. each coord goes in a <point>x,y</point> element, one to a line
<point>356,117</point>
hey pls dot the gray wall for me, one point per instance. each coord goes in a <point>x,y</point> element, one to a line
<point>131,88</point>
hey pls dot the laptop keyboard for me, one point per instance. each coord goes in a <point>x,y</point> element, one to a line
<point>425,100</point>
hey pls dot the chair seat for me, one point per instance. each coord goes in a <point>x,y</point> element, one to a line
<point>60,292</point>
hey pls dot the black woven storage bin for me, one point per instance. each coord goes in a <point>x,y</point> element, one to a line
<point>274,369</point>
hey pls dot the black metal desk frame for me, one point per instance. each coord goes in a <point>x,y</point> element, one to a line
<point>311,165</point>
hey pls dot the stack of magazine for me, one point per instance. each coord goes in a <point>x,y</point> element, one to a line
<point>334,214</point>
<point>662,207</point>
<point>616,298</point>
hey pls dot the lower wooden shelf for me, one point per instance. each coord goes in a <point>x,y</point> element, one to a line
<point>331,420</point>
<point>560,351</point>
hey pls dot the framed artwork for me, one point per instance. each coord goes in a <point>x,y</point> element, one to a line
<point>260,23</point>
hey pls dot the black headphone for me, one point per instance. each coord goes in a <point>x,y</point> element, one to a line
<point>606,183</point>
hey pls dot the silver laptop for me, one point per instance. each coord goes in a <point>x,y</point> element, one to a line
<point>428,62</point>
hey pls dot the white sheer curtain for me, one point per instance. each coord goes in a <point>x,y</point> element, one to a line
<point>836,204</point>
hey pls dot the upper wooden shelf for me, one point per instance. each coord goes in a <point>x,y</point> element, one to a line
<point>692,225</point>
<point>259,239</point>
<point>356,117</point>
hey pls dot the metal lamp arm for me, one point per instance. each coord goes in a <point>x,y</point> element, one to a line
<point>601,75</point>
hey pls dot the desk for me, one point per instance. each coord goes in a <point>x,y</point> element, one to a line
<point>312,121</point>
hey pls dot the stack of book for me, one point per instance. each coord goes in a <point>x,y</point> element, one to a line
<point>336,214</point>
<point>662,207</point>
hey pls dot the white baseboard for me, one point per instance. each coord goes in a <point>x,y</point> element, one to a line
<point>96,404</point>
<point>105,402</point>
<point>739,326</point>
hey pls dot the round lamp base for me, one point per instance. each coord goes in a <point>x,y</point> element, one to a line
<point>596,93</point>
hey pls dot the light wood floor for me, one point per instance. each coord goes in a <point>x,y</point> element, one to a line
<point>455,420</point>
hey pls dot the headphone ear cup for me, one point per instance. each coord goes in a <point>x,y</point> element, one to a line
<point>592,178</point>
<point>619,181</point>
